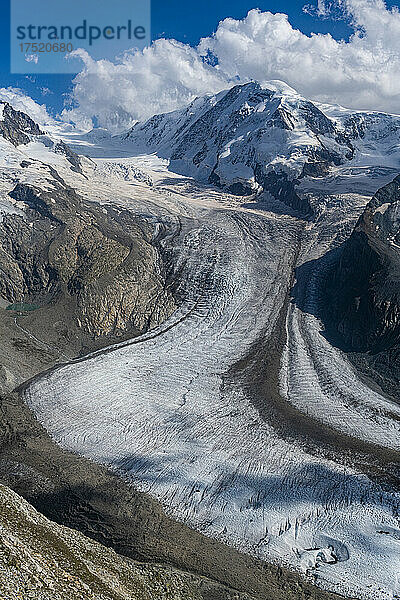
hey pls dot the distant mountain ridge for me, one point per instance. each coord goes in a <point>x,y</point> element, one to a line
<point>251,138</point>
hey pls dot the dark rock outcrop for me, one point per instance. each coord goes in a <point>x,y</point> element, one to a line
<point>16,126</point>
<point>362,296</point>
<point>72,157</point>
<point>281,187</point>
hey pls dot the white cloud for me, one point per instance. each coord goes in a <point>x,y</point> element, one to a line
<point>20,101</point>
<point>332,9</point>
<point>361,73</point>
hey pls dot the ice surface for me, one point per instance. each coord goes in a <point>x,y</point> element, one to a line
<point>316,377</point>
<point>42,152</point>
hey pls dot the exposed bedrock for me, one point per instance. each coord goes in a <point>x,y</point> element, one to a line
<point>97,265</point>
<point>57,563</point>
<point>362,293</point>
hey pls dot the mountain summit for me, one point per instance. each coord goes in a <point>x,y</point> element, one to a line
<point>250,139</point>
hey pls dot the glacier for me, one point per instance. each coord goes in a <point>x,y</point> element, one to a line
<point>178,412</point>
<point>161,410</point>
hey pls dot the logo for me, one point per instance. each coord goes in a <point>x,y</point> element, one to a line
<point>43,33</point>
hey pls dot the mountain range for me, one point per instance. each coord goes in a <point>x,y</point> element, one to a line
<point>251,139</point>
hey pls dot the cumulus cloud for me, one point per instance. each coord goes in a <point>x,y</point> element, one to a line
<point>20,101</point>
<point>360,73</point>
<point>162,77</point>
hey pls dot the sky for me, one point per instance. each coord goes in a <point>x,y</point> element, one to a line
<point>339,51</point>
<point>185,22</point>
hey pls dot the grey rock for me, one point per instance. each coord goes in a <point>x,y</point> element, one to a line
<point>363,288</point>
<point>17,127</point>
<point>104,263</point>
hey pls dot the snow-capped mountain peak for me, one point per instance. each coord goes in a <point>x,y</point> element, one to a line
<point>252,138</point>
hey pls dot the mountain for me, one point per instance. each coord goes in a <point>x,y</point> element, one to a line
<point>251,139</point>
<point>363,292</point>
<point>167,386</point>
<point>43,560</point>
<point>90,257</point>
<point>18,129</point>
<point>15,126</point>
<point>79,272</point>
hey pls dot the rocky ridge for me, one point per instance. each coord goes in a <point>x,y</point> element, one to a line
<point>46,561</point>
<point>363,294</point>
<point>15,126</point>
<point>98,266</point>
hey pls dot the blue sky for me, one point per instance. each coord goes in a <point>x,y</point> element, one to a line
<point>188,22</point>
<point>173,19</point>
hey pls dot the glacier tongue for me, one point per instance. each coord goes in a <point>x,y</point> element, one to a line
<point>316,377</point>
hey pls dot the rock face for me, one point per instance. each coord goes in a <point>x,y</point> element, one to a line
<point>94,268</point>
<point>249,139</point>
<point>19,129</point>
<point>99,263</point>
<point>363,294</point>
<point>15,126</point>
<point>62,148</point>
<point>42,560</point>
